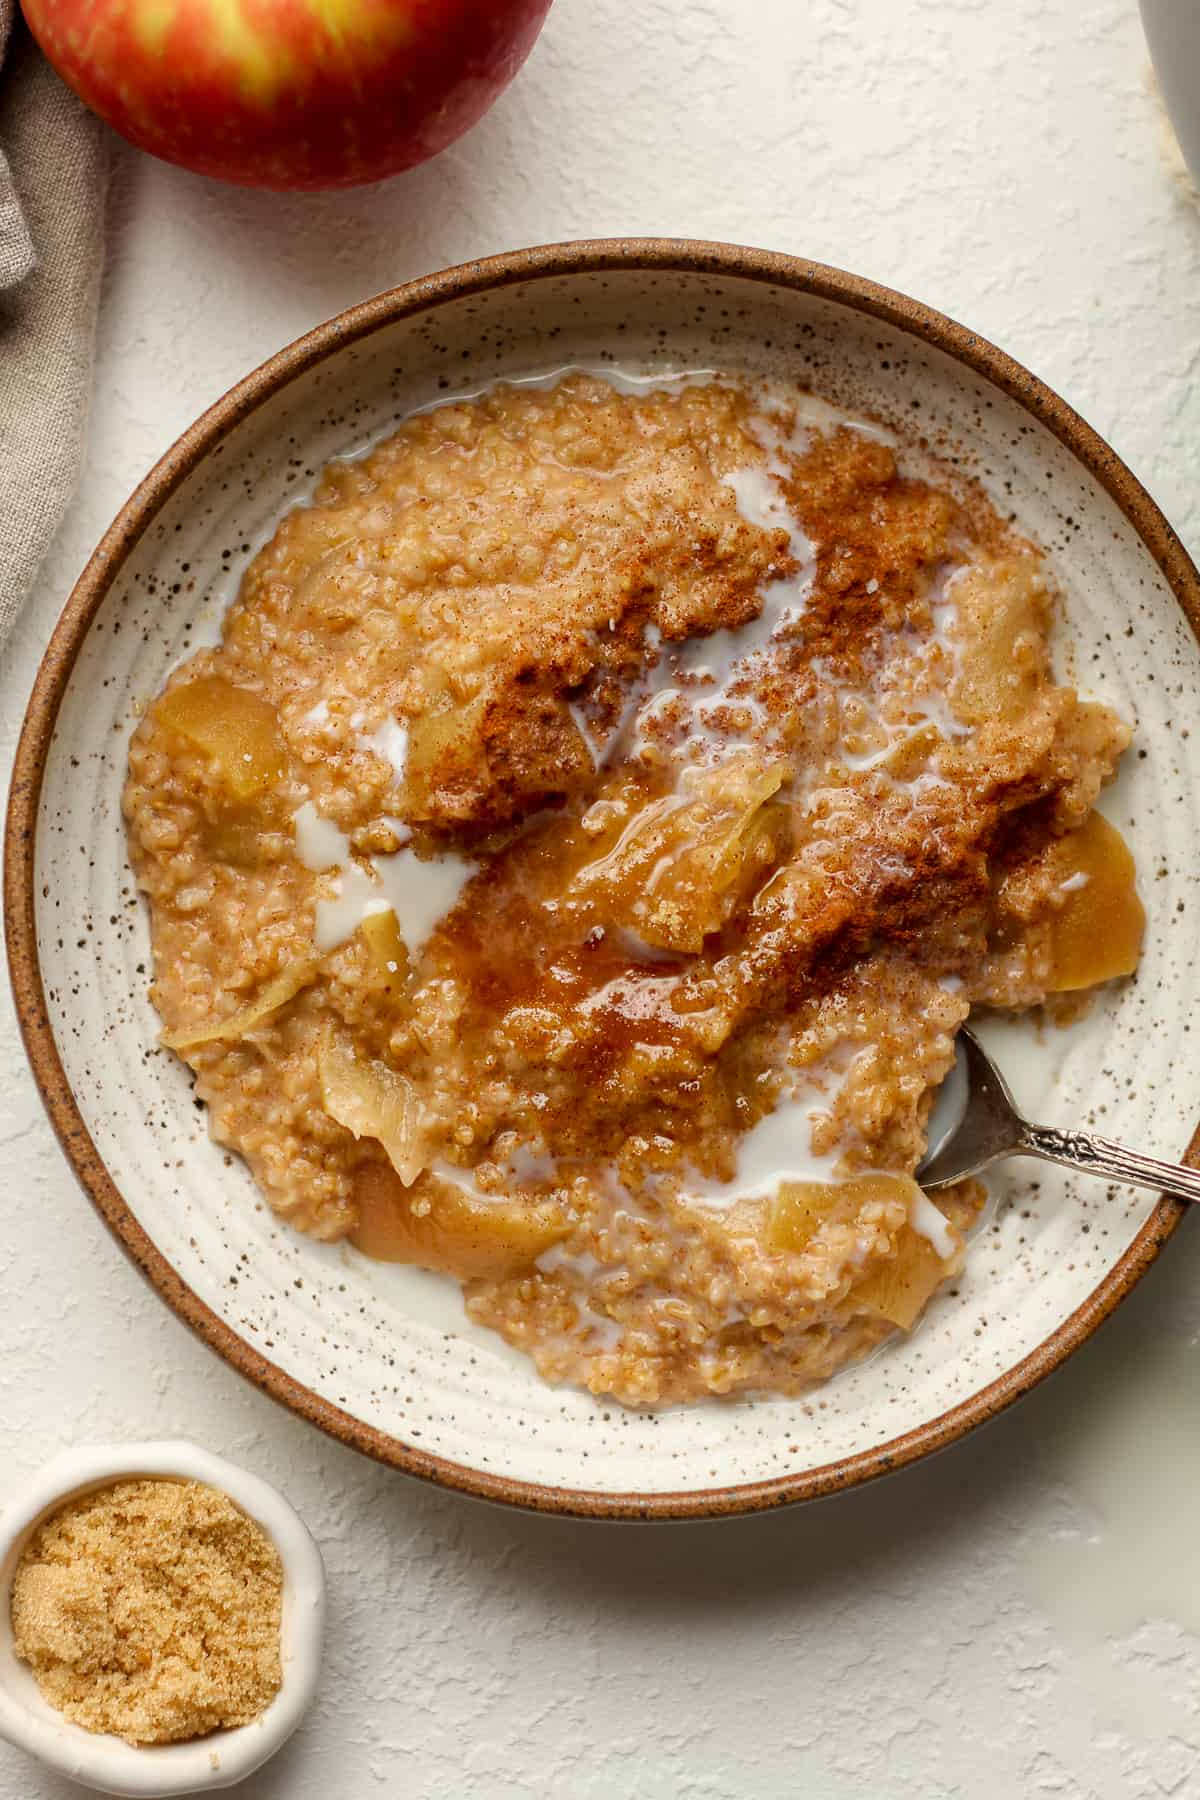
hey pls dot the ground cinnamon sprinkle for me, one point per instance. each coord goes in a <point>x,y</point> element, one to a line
<point>151,1610</point>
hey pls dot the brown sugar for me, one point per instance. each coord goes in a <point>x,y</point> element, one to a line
<point>151,1610</point>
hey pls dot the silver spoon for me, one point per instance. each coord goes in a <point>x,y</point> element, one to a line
<point>974,1124</point>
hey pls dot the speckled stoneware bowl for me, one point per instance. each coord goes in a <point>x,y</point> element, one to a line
<point>379,1356</point>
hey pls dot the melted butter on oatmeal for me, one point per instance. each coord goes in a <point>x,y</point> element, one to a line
<point>573,865</point>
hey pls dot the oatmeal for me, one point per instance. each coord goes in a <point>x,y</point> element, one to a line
<point>572,867</point>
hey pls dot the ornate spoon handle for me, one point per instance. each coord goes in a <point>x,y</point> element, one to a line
<point>1100,1156</point>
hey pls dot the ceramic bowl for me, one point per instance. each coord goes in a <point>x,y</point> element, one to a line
<point>380,1357</point>
<point>224,1757</point>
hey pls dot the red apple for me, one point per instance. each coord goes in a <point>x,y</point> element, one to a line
<point>288,93</point>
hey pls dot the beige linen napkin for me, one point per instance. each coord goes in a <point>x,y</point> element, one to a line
<point>53,173</point>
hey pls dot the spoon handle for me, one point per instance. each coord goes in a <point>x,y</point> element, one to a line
<point>1100,1156</point>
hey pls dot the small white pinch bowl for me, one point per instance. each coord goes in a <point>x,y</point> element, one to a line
<point>107,1764</point>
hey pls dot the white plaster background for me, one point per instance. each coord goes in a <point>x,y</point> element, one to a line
<point>1014,1618</point>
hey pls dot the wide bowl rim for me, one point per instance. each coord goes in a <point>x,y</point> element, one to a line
<point>666,256</point>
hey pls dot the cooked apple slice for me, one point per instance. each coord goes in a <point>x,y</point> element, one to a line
<point>386,950</point>
<point>239,835</point>
<point>491,757</point>
<point>800,1208</point>
<point>445,753</point>
<point>373,1101</point>
<point>1001,611</point>
<point>683,864</point>
<point>898,1289</point>
<point>282,988</point>
<point>237,729</point>
<point>1097,933</point>
<point>460,1234</point>
<point>717,874</point>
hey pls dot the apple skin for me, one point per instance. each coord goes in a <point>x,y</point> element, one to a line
<point>288,93</point>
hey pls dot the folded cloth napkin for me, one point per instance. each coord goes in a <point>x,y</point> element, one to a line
<point>53,174</point>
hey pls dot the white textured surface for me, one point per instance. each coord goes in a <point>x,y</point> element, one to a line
<point>941,1634</point>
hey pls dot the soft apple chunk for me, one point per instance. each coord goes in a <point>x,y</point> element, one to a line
<point>800,1208</point>
<point>386,951</point>
<point>683,865</point>
<point>1096,934</point>
<point>276,994</point>
<point>237,729</point>
<point>714,875</point>
<point>492,757</point>
<point>458,1234</point>
<point>445,750</point>
<point>238,836</point>
<point>1001,615</point>
<point>899,1289</point>
<point>372,1100</point>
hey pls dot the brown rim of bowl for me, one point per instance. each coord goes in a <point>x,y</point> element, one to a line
<point>670,256</point>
